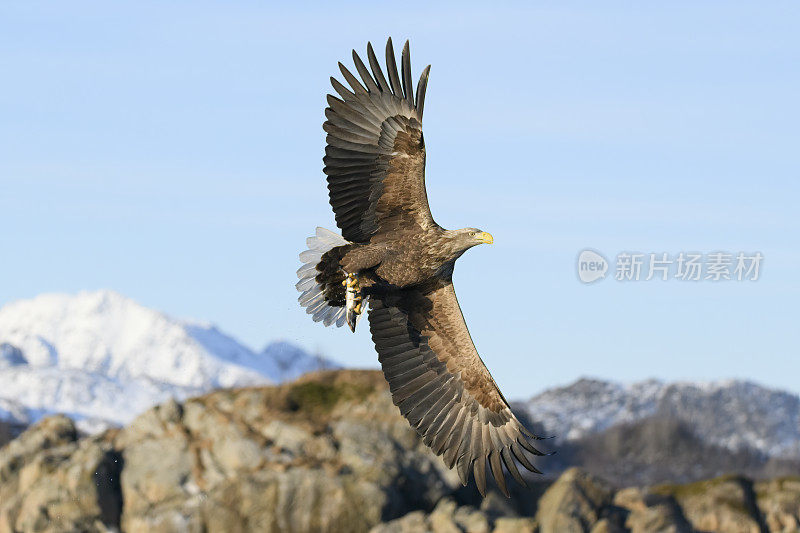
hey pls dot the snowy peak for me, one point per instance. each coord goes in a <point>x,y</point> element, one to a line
<point>734,414</point>
<point>106,333</point>
<point>100,355</point>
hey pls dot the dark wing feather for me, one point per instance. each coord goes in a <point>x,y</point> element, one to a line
<point>405,68</point>
<point>441,385</point>
<point>421,87</point>
<point>375,158</point>
<point>376,68</point>
<point>391,68</point>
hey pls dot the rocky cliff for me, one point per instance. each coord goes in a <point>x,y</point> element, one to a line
<point>328,452</point>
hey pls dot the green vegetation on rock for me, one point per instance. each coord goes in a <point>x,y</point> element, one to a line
<point>323,397</point>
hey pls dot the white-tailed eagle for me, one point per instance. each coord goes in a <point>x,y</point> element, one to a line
<point>395,259</point>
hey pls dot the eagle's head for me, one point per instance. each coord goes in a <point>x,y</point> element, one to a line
<point>457,241</point>
<point>476,236</point>
<point>468,237</point>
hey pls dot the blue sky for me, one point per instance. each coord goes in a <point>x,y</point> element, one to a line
<point>172,152</point>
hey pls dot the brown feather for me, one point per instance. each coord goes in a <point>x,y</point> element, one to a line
<point>391,69</point>
<point>497,471</point>
<point>369,83</point>
<point>421,88</point>
<point>375,127</point>
<point>520,456</point>
<point>405,66</point>
<point>479,469</point>
<point>376,68</point>
<point>505,453</point>
<point>352,80</point>
<point>428,326</point>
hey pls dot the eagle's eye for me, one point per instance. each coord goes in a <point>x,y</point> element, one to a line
<point>473,233</point>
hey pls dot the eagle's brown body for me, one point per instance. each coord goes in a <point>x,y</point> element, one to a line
<point>413,259</point>
<point>402,263</point>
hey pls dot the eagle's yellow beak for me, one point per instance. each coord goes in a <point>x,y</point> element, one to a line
<point>485,237</point>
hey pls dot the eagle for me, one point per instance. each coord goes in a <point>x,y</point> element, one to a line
<point>393,259</point>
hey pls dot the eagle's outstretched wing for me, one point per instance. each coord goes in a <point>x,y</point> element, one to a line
<point>441,385</point>
<point>375,158</point>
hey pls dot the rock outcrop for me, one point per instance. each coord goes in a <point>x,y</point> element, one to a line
<point>726,503</point>
<point>324,453</point>
<point>448,516</point>
<point>51,481</point>
<point>650,512</point>
<point>328,452</point>
<point>779,503</point>
<point>575,502</point>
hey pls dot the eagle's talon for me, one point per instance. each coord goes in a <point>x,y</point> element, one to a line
<point>350,281</point>
<point>353,300</point>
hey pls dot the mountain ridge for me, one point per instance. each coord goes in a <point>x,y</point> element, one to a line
<point>734,414</point>
<point>102,358</point>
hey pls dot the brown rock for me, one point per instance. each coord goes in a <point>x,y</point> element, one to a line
<point>414,522</point>
<point>50,481</point>
<point>48,433</point>
<point>575,502</point>
<point>326,453</point>
<point>779,503</point>
<point>605,525</point>
<point>449,517</point>
<point>721,504</point>
<point>651,512</point>
<point>515,525</point>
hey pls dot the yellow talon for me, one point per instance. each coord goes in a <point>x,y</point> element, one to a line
<point>353,299</point>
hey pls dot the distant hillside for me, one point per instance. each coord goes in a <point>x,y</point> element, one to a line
<point>735,415</point>
<point>653,432</point>
<point>290,361</point>
<point>102,359</point>
<point>329,452</point>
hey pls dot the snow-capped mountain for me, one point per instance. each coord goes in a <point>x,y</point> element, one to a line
<point>734,414</point>
<point>102,358</point>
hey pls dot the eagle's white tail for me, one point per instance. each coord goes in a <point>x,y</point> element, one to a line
<point>313,291</point>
